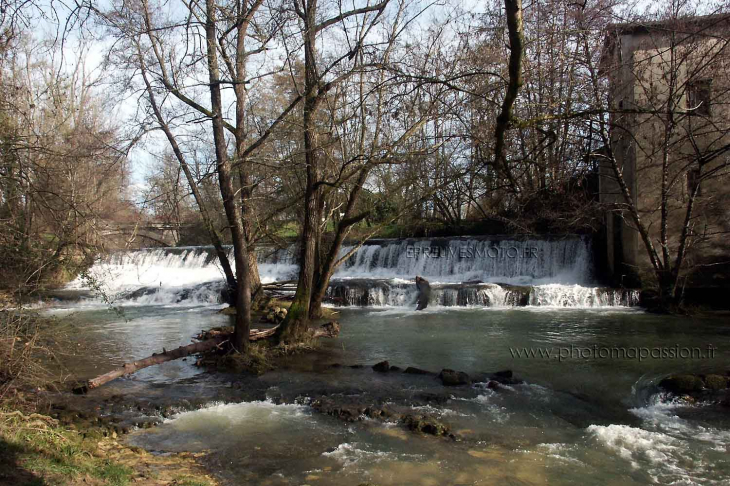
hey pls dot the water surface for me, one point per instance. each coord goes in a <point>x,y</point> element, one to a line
<point>575,420</point>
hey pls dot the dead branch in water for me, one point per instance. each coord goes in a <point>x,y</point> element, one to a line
<point>330,330</point>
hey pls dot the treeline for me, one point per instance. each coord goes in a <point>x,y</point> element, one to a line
<point>331,120</point>
<point>63,168</point>
<point>412,112</point>
<point>345,118</point>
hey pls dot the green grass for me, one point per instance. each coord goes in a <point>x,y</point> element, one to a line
<point>288,230</point>
<point>55,455</point>
<point>115,474</point>
<point>186,481</point>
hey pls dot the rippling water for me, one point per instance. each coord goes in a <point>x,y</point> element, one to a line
<point>575,420</point>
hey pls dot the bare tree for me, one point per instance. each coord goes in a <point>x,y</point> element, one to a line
<point>314,90</point>
<point>62,164</point>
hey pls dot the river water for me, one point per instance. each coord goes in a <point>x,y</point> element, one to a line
<point>580,417</point>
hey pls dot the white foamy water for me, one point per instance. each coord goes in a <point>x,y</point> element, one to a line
<point>556,295</point>
<point>638,445</point>
<point>165,273</point>
<point>462,272</point>
<point>234,414</point>
<point>670,449</point>
<point>661,415</point>
<point>352,454</point>
<point>379,293</point>
<point>233,427</point>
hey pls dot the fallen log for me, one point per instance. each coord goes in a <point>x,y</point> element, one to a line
<point>330,330</point>
<point>281,283</point>
<point>155,359</point>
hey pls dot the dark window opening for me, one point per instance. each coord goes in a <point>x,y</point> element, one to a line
<point>698,97</point>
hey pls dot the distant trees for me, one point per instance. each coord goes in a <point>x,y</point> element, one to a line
<point>62,164</point>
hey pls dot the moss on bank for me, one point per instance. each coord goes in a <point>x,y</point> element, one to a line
<point>271,305</point>
<point>37,450</point>
<point>262,355</point>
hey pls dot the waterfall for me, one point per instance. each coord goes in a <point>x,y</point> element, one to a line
<point>368,293</point>
<point>469,271</point>
<point>499,260</point>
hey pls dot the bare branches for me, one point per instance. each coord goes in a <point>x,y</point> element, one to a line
<point>513,10</point>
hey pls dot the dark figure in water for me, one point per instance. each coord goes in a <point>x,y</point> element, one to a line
<point>424,293</point>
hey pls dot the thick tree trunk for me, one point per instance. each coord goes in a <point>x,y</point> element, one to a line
<point>297,320</point>
<point>330,264</point>
<point>233,215</point>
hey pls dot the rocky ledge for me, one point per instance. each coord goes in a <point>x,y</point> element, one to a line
<point>699,387</point>
<point>449,377</point>
<point>358,407</point>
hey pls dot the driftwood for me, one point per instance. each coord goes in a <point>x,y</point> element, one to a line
<point>281,283</point>
<point>330,329</point>
<point>424,293</point>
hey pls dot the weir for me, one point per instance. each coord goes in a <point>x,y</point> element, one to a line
<point>463,271</point>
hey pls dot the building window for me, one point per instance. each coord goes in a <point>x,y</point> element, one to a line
<point>698,97</point>
<point>693,180</point>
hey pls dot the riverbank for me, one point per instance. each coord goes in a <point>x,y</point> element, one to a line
<point>37,449</point>
<point>41,444</point>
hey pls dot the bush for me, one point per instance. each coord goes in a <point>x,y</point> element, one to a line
<point>23,351</point>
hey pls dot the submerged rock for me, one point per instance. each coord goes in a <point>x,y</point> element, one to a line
<point>342,411</point>
<point>425,425</point>
<point>417,371</point>
<point>454,378</point>
<point>505,377</point>
<point>382,367</point>
<point>716,382</point>
<point>680,384</point>
<point>437,398</point>
<point>711,387</point>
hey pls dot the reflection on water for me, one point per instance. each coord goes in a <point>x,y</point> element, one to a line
<point>575,421</point>
<point>107,338</point>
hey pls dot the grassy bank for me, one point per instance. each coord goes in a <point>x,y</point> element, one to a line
<point>36,450</point>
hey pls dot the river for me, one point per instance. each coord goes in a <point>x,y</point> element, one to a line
<point>579,417</point>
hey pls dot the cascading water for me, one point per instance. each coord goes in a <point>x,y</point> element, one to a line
<point>518,262</point>
<point>476,271</point>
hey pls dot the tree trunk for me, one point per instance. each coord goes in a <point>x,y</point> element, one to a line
<point>245,17</point>
<point>213,233</point>
<point>240,245</point>
<point>513,10</point>
<point>329,266</point>
<point>129,368</point>
<point>297,320</point>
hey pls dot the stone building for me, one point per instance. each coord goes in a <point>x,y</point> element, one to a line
<point>668,93</point>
